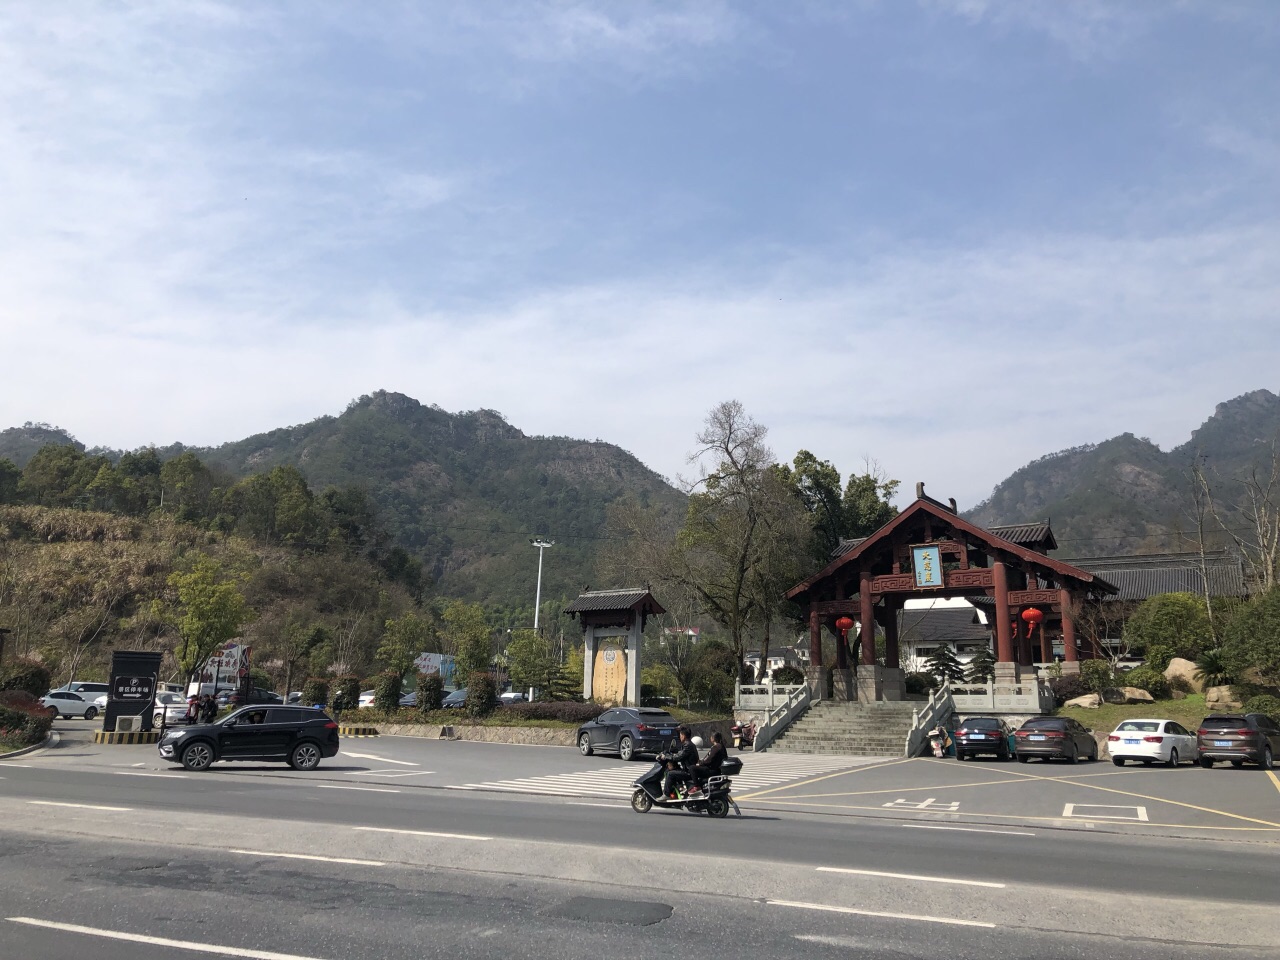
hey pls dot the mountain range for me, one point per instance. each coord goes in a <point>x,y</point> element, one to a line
<point>466,492</point>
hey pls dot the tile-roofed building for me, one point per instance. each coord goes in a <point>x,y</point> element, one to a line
<point>1038,536</point>
<point>623,598</point>
<point>1138,578</point>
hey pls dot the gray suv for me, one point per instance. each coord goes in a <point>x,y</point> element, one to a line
<point>1237,738</point>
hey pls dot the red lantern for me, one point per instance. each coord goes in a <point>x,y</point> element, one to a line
<point>1032,616</point>
<point>844,625</point>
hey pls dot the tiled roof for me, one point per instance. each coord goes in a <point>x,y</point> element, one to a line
<point>947,623</point>
<point>845,546</point>
<point>1027,534</point>
<point>1145,576</point>
<point>623,599</point>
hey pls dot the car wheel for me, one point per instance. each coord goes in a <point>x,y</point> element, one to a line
<point>1173,757</point>
<point>959,756</point>
<point>718,807</point>
<point>1206,762</point>
<point>1022,759</point>
<point>1146,762</point>
<point>1093,754</point>
<point>305,756</point>
<point>197,757</point>
<point>627,748</point>
<point>584,745</point>
<point>1074,756</point>
<point>641,802</point>
<point>1118,761</point>
<point>1237,764</point>
<point>1267,760</point>
<point>91,713</point>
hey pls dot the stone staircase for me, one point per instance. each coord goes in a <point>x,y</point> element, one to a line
<point>853,729</point>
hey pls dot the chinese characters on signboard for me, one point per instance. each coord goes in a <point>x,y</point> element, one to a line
<point>133,688</point>
<point>927,562</point>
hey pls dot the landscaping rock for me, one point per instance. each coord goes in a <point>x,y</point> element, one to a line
<point>1178,695</point>
<point>1090,701</point>
<point>1114,695</point>
<point>1179,667</point>
<point>1136,695</point>
<point>1222,700</point>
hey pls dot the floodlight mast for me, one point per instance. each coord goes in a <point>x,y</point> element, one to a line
<point>537,601</point>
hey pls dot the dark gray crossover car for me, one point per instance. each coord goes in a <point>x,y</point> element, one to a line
<point>1237,738</point>
<point>628,732</point>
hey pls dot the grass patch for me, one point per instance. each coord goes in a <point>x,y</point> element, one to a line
<point>1104,719</point>
<point>447,718</point>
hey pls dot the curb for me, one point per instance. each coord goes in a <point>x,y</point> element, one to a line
<point>133,736</point>
<point>49,741</point>
<point>357,731</point>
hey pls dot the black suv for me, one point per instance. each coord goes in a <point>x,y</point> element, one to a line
<point>301,736</point>
<point>1237,737</point>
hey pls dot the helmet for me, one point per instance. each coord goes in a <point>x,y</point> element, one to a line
<point>697,742</point>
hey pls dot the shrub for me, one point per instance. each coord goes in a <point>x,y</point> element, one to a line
<point>1211,669</point>
<point>555,710</point>
<point>1097,675</point>
<point>1068,687</point>
<point>430,691</point>
<point>1264,703</point>
<point>29,675</point>
<point>917,683</point>
<point>346,694</point>
<point>315,690</point>
<point>1170,625</point>
<point>386,692</point>
<point>788,675</point>
<point>481,694</point>
<point>20,727</point>
<point>1149,679</point>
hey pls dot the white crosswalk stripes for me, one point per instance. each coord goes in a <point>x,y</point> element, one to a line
<point>615,780</point>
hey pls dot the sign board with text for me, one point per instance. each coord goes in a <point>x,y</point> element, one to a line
<point>927,563</point>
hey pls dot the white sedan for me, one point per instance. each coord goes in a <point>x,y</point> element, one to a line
<point>170,708</point>
<point>1151,740</point>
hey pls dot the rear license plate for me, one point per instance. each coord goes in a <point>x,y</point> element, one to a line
<point>665,733</point>
<point>1036,736</point>
<point>1131,743</point>
<point>1222,743</point>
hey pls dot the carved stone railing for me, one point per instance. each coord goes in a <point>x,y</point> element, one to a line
<point>780,717</point>
<point>763,696</point>
<point>937,709</point>
<point>1029,696</point>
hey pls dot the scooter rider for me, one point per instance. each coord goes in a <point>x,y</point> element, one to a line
<point>710,765</point>
<point>680,762</point>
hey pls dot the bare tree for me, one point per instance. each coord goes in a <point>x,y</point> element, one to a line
<point>1256,533</point>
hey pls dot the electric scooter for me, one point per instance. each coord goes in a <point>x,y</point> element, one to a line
<point>712,796</point>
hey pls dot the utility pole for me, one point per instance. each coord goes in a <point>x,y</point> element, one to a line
<point>537,602</point>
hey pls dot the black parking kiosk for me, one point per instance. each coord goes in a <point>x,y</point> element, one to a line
<point>133,687</point>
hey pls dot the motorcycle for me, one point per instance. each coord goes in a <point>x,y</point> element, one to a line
<point>744,734</point>
<point>712,797</point>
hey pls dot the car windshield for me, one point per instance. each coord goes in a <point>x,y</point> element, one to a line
<point>1139,726</point>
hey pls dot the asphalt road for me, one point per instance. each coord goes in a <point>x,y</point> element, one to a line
<point>89,839</point>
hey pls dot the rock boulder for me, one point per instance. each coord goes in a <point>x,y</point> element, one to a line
<point>1090,701</point>
<point>1178,667</point>
<point>1137,695</point>
<point>1222,700</point>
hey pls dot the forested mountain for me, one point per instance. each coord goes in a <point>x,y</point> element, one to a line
<point>463,492</point>
<point>1126,495</point>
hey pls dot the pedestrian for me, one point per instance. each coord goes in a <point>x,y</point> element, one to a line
<point>193,709</point>
<point>209,709</point>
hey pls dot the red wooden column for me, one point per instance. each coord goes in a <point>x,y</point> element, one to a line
<point>1070,652</point>
<point>1004,635</point>
<point>1046,644</point>
<point>891,656</point>
<point>868,620</point>
<point>815,636</point>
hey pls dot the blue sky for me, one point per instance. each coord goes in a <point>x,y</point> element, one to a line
<point>950,235</point>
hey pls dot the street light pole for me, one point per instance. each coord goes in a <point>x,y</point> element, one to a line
<point>537,602</point>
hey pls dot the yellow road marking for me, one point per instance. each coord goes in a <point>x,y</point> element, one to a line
<point>1274,778</point>
<point>947,786</point>
<point>840,773</point>
<point>1272,828</point>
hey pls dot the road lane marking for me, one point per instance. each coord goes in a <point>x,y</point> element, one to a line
<point>389,773</point>
<point>911,876</point>
<point>424,833</point>
<point>310,856</point>
<point>456,787</point>
<point>607,806</point>
<point>839,773</point>
<point>370,756</point>
<point>165,776</point>
<point>158,941</point>
<point>327,786</point>
<point>930,826</point>
<point>1274,778</point>
<point>879,913</point>
<point>80,806</point>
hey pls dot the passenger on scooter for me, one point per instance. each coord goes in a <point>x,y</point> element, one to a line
<point>710,765</point>
<point>680,761</point>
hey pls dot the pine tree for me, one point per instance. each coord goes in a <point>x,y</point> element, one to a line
<point>944,665</point>
<point>982,668</point>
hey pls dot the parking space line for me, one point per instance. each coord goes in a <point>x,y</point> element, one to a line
<point>828,776</point>
<point>910,876</point>
<point>879,913</point>
<point>1274,778</point>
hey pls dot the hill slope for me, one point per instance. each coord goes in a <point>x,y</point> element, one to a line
<point>1126,495</point>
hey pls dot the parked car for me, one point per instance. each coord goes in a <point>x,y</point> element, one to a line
<point>628,732</point>
<point>87,689</point>
<point>170,708</point>
<point>456,700</point>
<point>64,703</point>
<point>295,697</point>
<point>300,736</point>
<point>1151,740</point>
<point>1054,737</point>
<point>1237,738</point>
<point>513,696</point>
<point>366,699</point>
<point>982,735</point>
<point>256,695</point>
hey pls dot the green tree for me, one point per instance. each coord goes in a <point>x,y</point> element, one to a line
<point>531,661</point>
<point>1251,645</point>
<point>982,668</point>
<point>945,665</point>
<point>10,476</point>
<point>189,489</point>
<point>466,632</point>
<point>1169,625</point>
<point>403,639</point>
<point>864,506</point>
<point>59,476</point>
<point>212,611</point>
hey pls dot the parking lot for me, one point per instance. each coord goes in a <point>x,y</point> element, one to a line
<point>1092,796</point>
